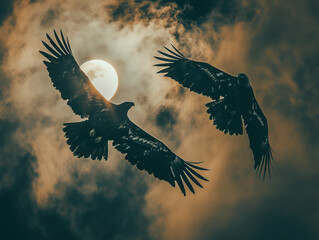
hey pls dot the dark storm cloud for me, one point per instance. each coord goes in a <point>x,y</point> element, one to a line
<point>285,208</point>
<point>182,15</point>
<point>166,118</point>
<point>227,12</point>
<point>274,217</point>
<point>115,205</point>
<point>6,8</point>
<point>17,171</point>
<point>183,11</point>
<point>4,80</point>
<point>132,11</point>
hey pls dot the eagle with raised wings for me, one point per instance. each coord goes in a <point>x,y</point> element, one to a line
<point>106,121</point>
<point>233,100</point>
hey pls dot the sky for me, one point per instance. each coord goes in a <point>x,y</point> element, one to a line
<point>47,193</point>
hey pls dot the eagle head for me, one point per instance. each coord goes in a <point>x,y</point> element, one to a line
<point>126,106</point>
<point>243,80</point>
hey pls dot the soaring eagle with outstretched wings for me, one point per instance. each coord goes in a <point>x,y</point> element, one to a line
<point>106,121</point>
<point>233,100</point>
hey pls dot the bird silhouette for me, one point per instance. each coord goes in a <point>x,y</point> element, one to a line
<point>233,101</point>
<point>106,121</point>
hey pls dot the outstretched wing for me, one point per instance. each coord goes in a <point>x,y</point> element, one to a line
<point>67,77</point>
<point>199,77</point>
<point>257,130</point>
<point>148,153</point>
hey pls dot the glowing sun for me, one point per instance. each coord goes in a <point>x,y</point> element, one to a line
<point>103,76</point>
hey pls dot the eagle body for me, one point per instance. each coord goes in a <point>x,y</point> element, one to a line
<point>243,98</point>
<point>233,101</point>
<point>106,122</point>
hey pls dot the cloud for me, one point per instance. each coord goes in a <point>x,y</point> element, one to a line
<point>59,195</point>
<point>166,118</point>
<point>186,12</point>
<point>6,7</point>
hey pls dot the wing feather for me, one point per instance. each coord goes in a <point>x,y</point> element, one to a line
<point>178,51</point>
<point>67,39</point>
<point>192,178</point>
<point>55,53</point>
<point>199,77</point>
<point>177,55</point>
<point>62,47</point>
<point>151,155</point>
<point>178,178</point>
<point>67,77</point>
<point>54,44</point>
<point>168,55</point>
<point>64,43</point>
<point>257,130</point>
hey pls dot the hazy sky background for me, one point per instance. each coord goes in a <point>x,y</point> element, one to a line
<point>47,193</point>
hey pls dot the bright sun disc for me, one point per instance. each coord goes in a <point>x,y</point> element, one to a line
<point>103,76</point>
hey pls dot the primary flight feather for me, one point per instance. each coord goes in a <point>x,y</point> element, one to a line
<point>233,100</point>
<point>106,121</point>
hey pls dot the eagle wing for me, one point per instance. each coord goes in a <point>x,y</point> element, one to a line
<point>199,77</point>
<point>151,155</point>
<point>67,77</point>
<point>257,130</point>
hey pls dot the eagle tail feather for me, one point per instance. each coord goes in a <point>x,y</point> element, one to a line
<point>83,141</point>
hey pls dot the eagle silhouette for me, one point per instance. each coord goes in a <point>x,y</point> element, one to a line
<point>106,121</point>
<point>233,100</point>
